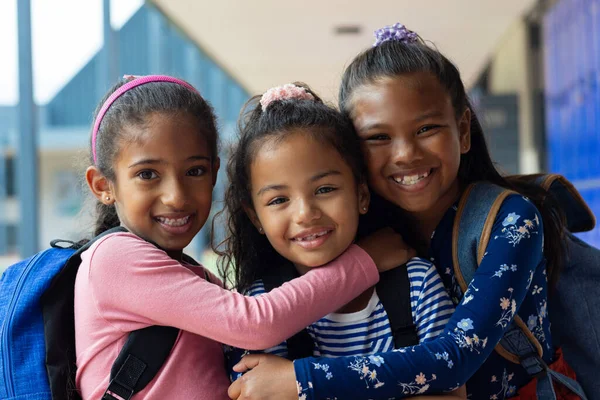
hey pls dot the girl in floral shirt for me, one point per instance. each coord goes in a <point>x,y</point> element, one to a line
<point>423,145</point>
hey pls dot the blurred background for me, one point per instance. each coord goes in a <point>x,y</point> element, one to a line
<point>532,68</point>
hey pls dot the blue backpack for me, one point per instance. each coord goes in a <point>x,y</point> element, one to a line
<point>574,307</point>
<point>37,332</point>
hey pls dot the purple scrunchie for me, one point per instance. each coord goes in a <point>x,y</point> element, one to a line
<point>396,32</point>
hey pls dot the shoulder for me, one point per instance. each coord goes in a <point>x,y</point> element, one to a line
<point>117,244</point>
<point>517,212</point>
<point>422,272</point>
<point>119,249</point>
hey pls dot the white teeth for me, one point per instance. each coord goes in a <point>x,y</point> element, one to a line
<point>311,237</point>
<point>174,221</point>
<point>409,180</point>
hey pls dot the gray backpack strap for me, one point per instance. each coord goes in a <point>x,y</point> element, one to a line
<point>477,210</point>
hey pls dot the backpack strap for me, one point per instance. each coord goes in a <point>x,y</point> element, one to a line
<point>579,216</point>
<point>393,290</point>
<point>475,216</point>
<point>138,362</point>
<point>142,356</point>
<point>300,345</point>
<point>59,321</point>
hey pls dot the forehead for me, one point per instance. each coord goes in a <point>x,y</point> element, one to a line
<point>164,136</point>
<point>405,96</point>
<point>296,156</point>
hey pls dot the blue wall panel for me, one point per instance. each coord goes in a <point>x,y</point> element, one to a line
<point>572,71</point>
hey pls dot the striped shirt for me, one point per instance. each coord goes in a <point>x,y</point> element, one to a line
<point>368,331</point>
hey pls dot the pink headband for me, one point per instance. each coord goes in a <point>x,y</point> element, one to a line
<point>136,81</point>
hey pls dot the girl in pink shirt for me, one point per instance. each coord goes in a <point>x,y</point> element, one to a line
<point>153,167</point>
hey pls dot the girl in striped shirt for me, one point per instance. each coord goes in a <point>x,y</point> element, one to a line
<point>297,190</point>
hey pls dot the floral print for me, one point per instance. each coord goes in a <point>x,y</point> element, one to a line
<point>509,308</point>
<point>515,233</point>
<point>464,341</point>
<point>368,375</point>
<point>444,356</point>
<point>418,386</point>
<point>506,389</point>
<point>505,268</point>
<point>536,322</point>
<point>510,280</point>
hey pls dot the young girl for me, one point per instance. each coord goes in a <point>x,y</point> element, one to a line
<point>423,145</point>
<point>154,165</point>
<point>297,189</point>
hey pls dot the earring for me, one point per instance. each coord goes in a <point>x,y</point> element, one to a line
<point>364,209</point>
<point>107,198</point>
<point>260,230</point>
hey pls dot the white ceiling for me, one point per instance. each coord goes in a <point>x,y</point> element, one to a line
<point>265,43</point>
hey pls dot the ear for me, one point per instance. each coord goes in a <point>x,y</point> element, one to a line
<point>99,185</point>
<point>464,130</point>
<point>364,198</point>
<point>215,170</point>
<point>254,218</point>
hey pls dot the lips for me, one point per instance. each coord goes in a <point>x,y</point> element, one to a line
<point>175,224</point>
<point>312,239</point>
<point>312,236</point>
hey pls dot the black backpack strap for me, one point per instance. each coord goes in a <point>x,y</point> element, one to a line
<point>142,356</point>
<point>300,345</point>
<point>393,290</point>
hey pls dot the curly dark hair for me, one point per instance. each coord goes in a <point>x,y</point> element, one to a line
<point>245,255</point>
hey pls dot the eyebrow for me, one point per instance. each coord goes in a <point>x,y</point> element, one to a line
<point>422,117</point>
<point>154,161</point>
<point>429,114</point>
<point>312,179</point>
<point>369,126</point>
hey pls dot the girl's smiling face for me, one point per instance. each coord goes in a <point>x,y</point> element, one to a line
<point>412,141</point>
<point>305,199</point>
<point>164,179</point>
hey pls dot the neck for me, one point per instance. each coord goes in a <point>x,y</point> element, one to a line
<point>428,220</point>
<point>175,254</point>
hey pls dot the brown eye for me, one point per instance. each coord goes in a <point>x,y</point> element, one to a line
<point>276,201</point>
<point>325,189</point>
<point>378,136</point>
<point>426,129</point>
<point>196,171</point>
<point>147,175</point>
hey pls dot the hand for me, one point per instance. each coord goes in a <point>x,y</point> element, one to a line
<point>270,377</point>
<point>387,249</point>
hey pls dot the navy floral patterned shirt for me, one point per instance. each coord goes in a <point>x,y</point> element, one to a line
<point>511,279</point>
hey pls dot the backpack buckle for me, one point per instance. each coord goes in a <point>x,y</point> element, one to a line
<point>117,391</point>
<point>533,364</point>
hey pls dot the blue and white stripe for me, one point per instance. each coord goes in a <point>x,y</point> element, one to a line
<point>368,331</point>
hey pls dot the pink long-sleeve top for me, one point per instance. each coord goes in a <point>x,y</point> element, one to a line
<point>125,283</point>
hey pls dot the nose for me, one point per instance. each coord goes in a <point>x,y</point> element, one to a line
<point>406,151</point>
<point>174,194</point>
<point>306,210</point>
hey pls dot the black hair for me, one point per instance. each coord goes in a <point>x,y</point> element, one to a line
<point>245,254</point>
<point>132,108</point>
<point>394,58</point>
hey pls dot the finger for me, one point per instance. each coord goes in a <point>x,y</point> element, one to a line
<point>235,389</point>
<point>248,362</point>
